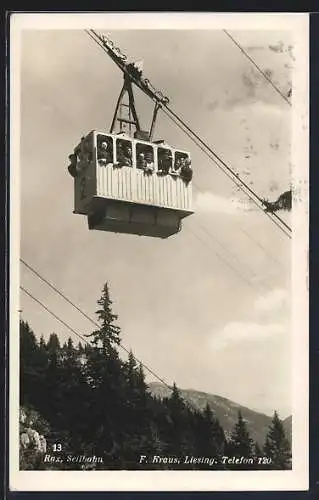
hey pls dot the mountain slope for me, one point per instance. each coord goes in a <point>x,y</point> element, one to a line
<point>288,427</point>
<point>225,410</point>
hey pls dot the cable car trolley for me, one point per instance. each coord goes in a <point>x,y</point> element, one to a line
<point>124,181</point>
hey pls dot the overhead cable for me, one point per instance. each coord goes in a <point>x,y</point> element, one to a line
<point>259,202</point>
<point>86,316</point>
<point>269,80</point>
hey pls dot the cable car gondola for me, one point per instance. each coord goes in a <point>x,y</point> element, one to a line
<point>124,181</point>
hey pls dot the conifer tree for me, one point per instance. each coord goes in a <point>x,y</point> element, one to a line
<point>131,369</point>
<point>178,429</point>
<point>257,449</point>
<point>28,349</point>
<point>139,438</point>
<point>241,444</point>
<point>175,402</point>
<point>97,404</point>
<point>42,342</point>
<point>109,333</point>
<point>106,377</point>
<point>208,436</point>
<point>74,399</point>
<point>53,344</point>
<point>219,437</point>
<point>259,457</point>
<point>33,362</point>
<point>277,447</point>
<point>80,348</point>
<point>50,405</point>
<point>42,356</point>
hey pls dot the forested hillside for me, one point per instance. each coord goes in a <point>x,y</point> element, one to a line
<point>83,407</point>
<point>225,410</point>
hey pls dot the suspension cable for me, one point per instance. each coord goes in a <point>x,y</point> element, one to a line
<point>255,198</point>
<point>54,315</point>
<point>237,182</point>
<point>269,80</point>
<point>259,202</point>
<point>123,347</point>
<point>221,257</point>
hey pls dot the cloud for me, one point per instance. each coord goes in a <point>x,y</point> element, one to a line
<point>256,329</point>
<point>273,301</point>
<point>259,108</point>
<point>252,107</point>
<point>238,332</point>
<point>250,81</point>
<point>255,47</point>
<point>211,106</point>
<point>211,203</point>
<point>277,48</point>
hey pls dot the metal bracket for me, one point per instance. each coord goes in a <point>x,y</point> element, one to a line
<point>156,108</point>
<point>127,88</point>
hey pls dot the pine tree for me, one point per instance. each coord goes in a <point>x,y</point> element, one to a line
<point>42,342</point>
<point>176,402</point>
<point>28,352</point>
<point>131,369</point>
<point>109,333</point>
<point>258,457</point>
<point>106,377</point>
<point>53,344</point>
<point>99,405</point>
<point>74,400</point>
<point>277,447</point>
<point>139,438</point>
<point>219,437</point>
<point>209,436</point>
<point>51,406</point>
<point>241,444</point>
<point>178,429</point>
<point>33,363</point>
<point>257,450</point>
<point>80,348</point>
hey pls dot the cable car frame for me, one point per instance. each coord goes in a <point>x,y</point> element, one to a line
<point>146,190</point>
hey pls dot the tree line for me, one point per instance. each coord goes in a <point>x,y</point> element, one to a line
<point>88,402</point>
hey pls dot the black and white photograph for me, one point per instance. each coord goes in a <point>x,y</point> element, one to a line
<point>158,252</point>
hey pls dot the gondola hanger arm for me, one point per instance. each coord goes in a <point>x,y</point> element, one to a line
<point>121,60</point>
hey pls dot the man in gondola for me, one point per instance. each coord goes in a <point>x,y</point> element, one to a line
<point>186,171</point>
<point>149,159</point>
<point>165,162</point>
<point>124,156</point>
<point>72,168</point>
<point>141,162</point>
<point>104,155</point>
<point>127,156</point>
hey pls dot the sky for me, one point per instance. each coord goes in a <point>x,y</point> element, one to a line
<point>208,308</point>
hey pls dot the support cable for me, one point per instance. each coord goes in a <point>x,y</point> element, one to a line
<point>90,319</point>
<point>259,202</point>
<point>269,80</point>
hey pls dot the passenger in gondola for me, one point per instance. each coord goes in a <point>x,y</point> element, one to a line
<point>186,171</point>
<point>164,162</point>
<point>149,159</point>
<point>177,166</point>
<point>128,156</point>
<point>124,156</point>
<point>141,162</point>
<point>72,168</point>
<point>182,164</point>
<point>86,151</point>
<point>104,155</point>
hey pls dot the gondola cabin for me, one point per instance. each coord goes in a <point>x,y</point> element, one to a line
<point>130,185</point>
